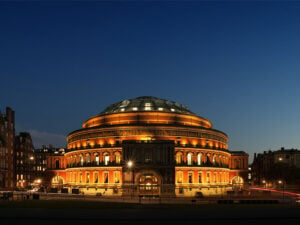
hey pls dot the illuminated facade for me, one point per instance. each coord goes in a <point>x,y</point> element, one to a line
<point>148,146</point>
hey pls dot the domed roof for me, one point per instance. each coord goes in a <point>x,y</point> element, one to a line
<point>147,103</point>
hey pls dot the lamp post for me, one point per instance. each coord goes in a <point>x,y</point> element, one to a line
<point>264,183</point>
<point>282,186</point>
<point>130,166</point>
<point>31,164</point>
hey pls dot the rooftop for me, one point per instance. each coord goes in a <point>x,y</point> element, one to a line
<point>147,103</point>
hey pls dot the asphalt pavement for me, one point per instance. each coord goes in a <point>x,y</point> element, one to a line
<point>253,214</point>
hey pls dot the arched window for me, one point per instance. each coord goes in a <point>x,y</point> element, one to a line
<point>117,157</point>
<point>81,160</point>
<point>178,158</point>
<point>189,158</point>
<point>214,159</point>
<point>106,159</point>
<point>199,159</point>
<point>87,158</point>
<point>97,160</point>
<point>74,160</point>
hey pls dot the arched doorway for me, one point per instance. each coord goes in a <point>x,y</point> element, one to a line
<point>237,182</point>
<point>149,184</point>
<point>57,181</point>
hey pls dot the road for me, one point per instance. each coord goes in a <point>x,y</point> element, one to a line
<point>246,215</point>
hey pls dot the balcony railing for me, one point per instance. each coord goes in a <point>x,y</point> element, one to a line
<point>120,145</point>
<point>93,164</point>
<point>203,164</point>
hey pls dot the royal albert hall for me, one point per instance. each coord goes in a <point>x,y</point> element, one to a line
<point>148,146</point>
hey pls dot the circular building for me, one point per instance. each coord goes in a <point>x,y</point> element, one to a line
<point>148,146</point>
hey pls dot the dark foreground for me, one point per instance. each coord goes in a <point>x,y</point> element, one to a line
<point>77,212</point>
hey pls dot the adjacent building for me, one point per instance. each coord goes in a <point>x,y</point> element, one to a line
<point>7,138</point>
<point>272,166</point>
<point>24,161</point>
<point>148,146</point>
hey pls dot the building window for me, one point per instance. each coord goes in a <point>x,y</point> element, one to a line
<point>189,159</point>
<point>87,177</point>
<point>199,158</point>
<point>105,177</point>
<point>178,158</point>
<point>208,177</point>
<point>179,177</point>
<point>215,177</point>
<point>97,160</point>
<point>106,160</point>
<point>148,106</point>
<point>117,177</point>
<point>96,178</point>
<point>190,177</point>
<point>80,177</point>
<point>87,158</point>
<point>117,157</point>
<point>200,177</point>
<point>81,160</point>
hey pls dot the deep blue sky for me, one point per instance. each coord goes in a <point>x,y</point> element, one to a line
<point>235,63</point>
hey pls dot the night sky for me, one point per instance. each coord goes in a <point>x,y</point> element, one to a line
<point>235,63</point>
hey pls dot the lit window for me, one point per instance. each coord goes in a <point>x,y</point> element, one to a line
<point>95,178</point>
<point>160,109</point>
<point>88,178</point>
<point>117,157</point>
<point>97,160</point>
<point>106,160</point>
<point>105,177</point>
<point>178,158</point>
<point>173,110</point>
<point>81,160</point>
<point>117,177</point>
<point>147,106</point>
<point>122,109</point>
<point>189,159</point>
<point>135,108</point>
<point>199,159</point>
<point>179,177</point>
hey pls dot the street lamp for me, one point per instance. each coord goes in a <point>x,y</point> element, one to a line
<point>282,185</point>
<point>264,182</point>
<point>130,166</point>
